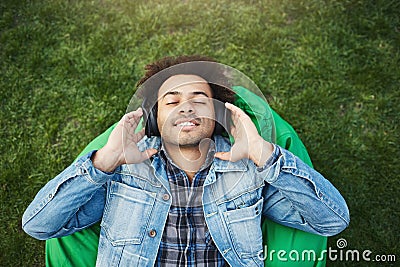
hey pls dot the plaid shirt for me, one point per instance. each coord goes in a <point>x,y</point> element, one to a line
<point>186,240</point>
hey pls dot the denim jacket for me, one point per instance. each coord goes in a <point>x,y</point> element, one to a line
<point>132,204</point>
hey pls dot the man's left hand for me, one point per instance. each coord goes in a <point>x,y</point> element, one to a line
<point>248,143</point>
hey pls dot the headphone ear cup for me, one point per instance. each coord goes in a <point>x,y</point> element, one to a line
<point>150,118</point>
<point>222,118</point>
<point>152,122</point>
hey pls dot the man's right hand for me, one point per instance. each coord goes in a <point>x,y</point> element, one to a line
<point>121,147</point>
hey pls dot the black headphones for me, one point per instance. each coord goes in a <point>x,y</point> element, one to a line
<point>222,118</point>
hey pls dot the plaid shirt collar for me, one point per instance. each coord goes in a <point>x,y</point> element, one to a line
<point>207,163</point>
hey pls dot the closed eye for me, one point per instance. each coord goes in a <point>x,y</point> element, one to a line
<point>172,103</point>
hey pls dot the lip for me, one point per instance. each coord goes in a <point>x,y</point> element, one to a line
<point>186,125</point>
<point>194,122</point>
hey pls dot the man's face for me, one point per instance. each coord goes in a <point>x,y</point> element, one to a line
<point>185,110</point>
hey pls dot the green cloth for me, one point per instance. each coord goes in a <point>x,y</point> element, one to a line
<point>80,248</point>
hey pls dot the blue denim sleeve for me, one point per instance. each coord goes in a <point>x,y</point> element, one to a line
<point>298,196</point>
<point>73,200</point>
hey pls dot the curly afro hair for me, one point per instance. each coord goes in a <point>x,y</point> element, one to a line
<point>221,93</point>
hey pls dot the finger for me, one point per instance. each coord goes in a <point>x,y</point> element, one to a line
<point>148,153</point>
<point>230,106</point>
<point>223,155</point>
<point>136,114</point>
<point>234,109</point>
<point>125,118</point>
<point>139,135</point>
<point>132,121</point>
<point>233,131</point>
<point>237,113</point>
<point>126,123</point>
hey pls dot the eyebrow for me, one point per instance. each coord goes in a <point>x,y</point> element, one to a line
<point>180,93</point>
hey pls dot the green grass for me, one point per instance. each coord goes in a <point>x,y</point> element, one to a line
<point>330,68</point>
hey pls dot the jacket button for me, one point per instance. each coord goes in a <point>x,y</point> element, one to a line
<point>165,197</point>
<point>152,233</point>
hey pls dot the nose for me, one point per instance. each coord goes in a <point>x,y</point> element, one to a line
<point>186,107</point>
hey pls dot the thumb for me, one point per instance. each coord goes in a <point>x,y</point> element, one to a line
<point>223,155</point>
<point>148,153</point>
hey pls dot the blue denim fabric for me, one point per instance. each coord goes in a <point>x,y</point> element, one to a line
<point>132,205</point>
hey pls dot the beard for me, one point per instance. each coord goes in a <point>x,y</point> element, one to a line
<point>181,138</point>
<point>185,139</point>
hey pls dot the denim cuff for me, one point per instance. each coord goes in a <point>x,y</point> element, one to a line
<point>92,174</point>
<point>271,160</point>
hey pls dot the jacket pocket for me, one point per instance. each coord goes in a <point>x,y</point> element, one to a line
<point>244,225</point>
<point>126,214</point>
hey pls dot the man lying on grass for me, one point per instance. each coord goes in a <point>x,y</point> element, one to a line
<point>184,195</point>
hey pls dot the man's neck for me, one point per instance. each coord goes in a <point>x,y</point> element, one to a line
<point>188,158</point>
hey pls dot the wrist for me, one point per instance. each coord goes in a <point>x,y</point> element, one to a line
<point>105,160</point>
<point>260,156</point>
